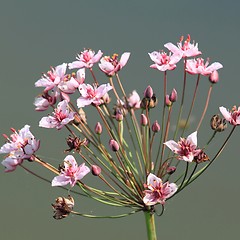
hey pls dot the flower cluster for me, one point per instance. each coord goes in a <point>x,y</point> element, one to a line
<point>20,146</point>
<point>136,156</point>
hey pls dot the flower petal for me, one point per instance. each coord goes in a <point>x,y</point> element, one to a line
<point>193,138</point>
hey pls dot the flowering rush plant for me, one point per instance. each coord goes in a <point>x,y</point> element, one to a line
<point>139,160</point>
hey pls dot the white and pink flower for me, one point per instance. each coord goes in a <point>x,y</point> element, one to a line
<point>186,149</point>
<point>163,61</point>
<point>158,191</point>
<point>61,116</point>
<point>134,100</point>
<point>111,65</point>
<point>233,116</point>
<point>92,94</point>
<point>21,145</point>
<point>53,77</point>
<point>12,161</point>
<point>70,173</point>
<point>197,66</point>
<point>86,59</point>
<point>72,82</point>
<point>186,49</point>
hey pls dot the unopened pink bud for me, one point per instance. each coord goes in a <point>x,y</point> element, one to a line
<point>214,77</point>
<point>155,127</point>
<point>173,95</point>
<point>114,145</point>
<point>144,120</point>
<point>171,169</point>
<point>106,98</point>
<point>119,116</point>
<point>96,170</point>
<point>98,128</point>
<point>148,93</point>
<point>167,101</point>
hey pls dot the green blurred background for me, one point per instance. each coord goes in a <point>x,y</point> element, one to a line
<point>39,34</point>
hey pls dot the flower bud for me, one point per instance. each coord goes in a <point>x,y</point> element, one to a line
<point>167,101</point>
<point>80,117</point>
<point>96,170</point>
<point>119,116</point>
<point>173,95</point>
<point>171,170</point>
<point>155,127</point>
<point>144,120</point>
<point>134,100</point>
<point>114,145</point>
<point>98,128</point>
<point>106,98</point>
<point>148,93</point>
<point>214,77</point>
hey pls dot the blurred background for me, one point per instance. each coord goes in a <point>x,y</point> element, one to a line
<point>39,34</point>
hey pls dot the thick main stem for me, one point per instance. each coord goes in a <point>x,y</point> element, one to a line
<point>150,224</point>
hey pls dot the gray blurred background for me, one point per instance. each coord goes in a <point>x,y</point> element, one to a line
<point>39,34</point>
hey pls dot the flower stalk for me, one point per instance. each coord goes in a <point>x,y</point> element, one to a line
<point>150,224</point>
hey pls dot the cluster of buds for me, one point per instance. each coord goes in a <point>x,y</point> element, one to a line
<point>136,157</point>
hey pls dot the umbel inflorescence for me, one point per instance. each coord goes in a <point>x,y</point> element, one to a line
<point>138,160</point>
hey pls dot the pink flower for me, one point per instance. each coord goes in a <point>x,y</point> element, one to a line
<point>186,49</point>
<point>72,82</point>
<point>12,161</point>
<point>134,100</point>
<point>70,173</point>
<point>197,66</point>
<point>86,59</point>
<point>61,117</point>
<point>233,116</point>
<point>164,62</point>
<point>158,191</point>
<point>111,65</point>
<point>52,78</point>
<point>186,149</point>
<point>23,141</point>
<point>21,145</point>
<point>92,94</point>
<point>41,104</point>
<point>45,100</point>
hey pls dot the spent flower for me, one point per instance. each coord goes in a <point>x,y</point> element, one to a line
<point>63,207</point>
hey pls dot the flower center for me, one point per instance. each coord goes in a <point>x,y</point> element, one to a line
<point>59,115</point>
<point>186,147</point>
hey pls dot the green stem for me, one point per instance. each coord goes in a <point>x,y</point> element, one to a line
<point>150,224</point>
